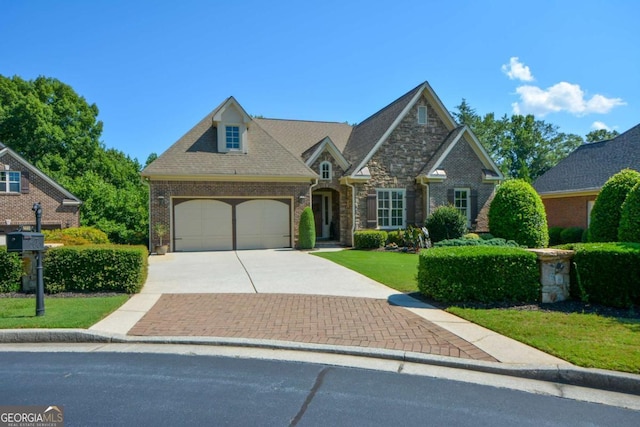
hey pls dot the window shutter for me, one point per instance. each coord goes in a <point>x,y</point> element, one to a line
<point>372,209</point>
<point>410,200</point>
<point>474,205</point>
<point>450,196</point>
<point>24,182</point>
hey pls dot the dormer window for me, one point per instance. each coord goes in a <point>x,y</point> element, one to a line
<point>422,115</point>
<point>325,170</point>
<point>232,137</point>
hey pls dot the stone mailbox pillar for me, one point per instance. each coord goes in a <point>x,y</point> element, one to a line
<point>555,278</point>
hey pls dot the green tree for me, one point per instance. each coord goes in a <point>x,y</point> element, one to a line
<point>521,146</point>
<point>52,127</point>
<point>629,230</point>
<point>601,135</point>
<point>307,230</point>
<point>517,213</point>
<point>605,215</point>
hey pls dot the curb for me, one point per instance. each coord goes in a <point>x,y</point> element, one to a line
<point>582,377</point>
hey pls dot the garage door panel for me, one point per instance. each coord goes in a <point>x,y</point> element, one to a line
<point>203,225</point>
<point>262,224</point>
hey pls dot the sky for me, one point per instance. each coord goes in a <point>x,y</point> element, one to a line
<point>156,68</point>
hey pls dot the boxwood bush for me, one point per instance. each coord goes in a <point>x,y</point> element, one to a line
<point>517,213</point>
<point>479,273</point>
<point>606,273</point>
<point>446,222</point>
<point>554,235</point>
<point>629,229</point>
<point>108,268</point>
<point>307,230</point>
<point>76,236</point>
<point>10,271</point>
<point>496,241</point>
<point>571,235</point>
<point>369,239</point>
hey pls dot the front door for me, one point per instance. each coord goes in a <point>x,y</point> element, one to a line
<point>321,205</point>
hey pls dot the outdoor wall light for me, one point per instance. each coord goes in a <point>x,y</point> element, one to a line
<point>161,200</point>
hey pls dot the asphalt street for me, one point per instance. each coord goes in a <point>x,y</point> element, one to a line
<point>109,388</point>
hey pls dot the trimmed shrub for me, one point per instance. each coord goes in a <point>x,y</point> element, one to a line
<point>517,213</point>
<point>571,235</point>
<point>486,236</point>
<point>605,215</point>
<point>484,274</point>
<point>111,268</point>
<point>606,273</point>
<point>629,229</point>
<point>10,271</point>
<point>471,236</point>
<point>472,242</point>
<point>446,222</point>
<point>395,237</point>
<point>307,230</point>
<point>554,235</point>
<point>76,236</point>
<point>369,239</point>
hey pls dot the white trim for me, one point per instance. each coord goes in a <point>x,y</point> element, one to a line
<point>329,170</point>
<point>467,190</point>
<point>231,101</point>
<point>328,145</point>
<point>426,114</point>
<point>391,226</point>
<point>7,181</point>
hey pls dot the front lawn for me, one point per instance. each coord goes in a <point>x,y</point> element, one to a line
<point>395,269</point>
<point>587,340</point>
<point>74,312</point>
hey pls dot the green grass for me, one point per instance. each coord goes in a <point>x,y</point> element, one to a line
<point>17,313</point>
<point>586,340</point>
<point>395,269</point>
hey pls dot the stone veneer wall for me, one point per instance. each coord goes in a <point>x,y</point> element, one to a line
<point>337,204</point>
<point>16,207</point>
<point>161,210</point>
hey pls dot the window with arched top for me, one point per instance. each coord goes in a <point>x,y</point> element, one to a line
<point>325,170</point>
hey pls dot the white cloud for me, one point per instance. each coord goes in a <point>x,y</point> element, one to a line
<point>597,125</point>
<point>516,70</point>
<point>562,96</point>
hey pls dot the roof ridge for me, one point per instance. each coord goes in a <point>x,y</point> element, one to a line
<point>301,120</point>
<point>380,111</point>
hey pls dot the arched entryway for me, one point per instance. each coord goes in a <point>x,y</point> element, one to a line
<point>325,203</point>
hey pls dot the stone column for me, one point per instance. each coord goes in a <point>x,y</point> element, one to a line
<point>555,278</point>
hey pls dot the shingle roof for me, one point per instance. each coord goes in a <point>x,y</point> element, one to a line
<point>591,165</point>
<point>299,135</point>
<point>196,154</point>
<point>366,134</point>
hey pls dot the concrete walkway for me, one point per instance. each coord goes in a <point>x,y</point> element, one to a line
<point>291,303</point>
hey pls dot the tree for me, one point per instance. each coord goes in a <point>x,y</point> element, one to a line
<point>521,146</point>
<point>629,230</point>
<point>52,127</point>
<point>605,215</point>
<point>517,213</point>
<point>601,135</point>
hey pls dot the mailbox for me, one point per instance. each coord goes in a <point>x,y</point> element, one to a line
<point>21,241</point>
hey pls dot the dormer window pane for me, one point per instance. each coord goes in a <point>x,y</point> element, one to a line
<point>325,170</point>
<point>422,115</point>
<point>233,137</point>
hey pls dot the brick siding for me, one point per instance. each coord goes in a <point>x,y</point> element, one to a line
<point>567,211</point>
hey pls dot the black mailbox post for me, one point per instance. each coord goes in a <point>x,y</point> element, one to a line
<point>21,241</point>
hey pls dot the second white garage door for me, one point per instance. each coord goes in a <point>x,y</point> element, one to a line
<point>262,224</point>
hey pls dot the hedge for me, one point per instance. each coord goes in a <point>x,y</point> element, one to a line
<point>572,235</point>
<point>496,241</point>
<point>76,236</point>
<point>10,271</point>
<point>112,268</point>
<point>479,273</point>
<point>606,212</point>
<point>629,229</point>
<point>369,239</point>
<point>606,273</point>
<point>555,235</point>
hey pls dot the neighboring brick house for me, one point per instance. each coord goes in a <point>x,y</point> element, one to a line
<point>569,189</point>
<point>237,182</point>
<point>21,186</point>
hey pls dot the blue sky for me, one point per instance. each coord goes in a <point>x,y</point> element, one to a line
<point>155,68</point>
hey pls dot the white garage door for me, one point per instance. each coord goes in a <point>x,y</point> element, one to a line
<point>203,225</point>
<point>262,224</point>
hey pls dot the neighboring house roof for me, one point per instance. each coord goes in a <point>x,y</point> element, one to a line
<point>196,155</point>
<point>69,199</point>
<point>591,165</point>
<point>300,135</point>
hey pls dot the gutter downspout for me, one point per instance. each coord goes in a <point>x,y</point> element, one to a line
<point>425,186</point>
<point>353,209</point>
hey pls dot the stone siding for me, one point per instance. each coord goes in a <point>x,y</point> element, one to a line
<point>16,207</point>
<point>161,207</point>
<point>333,184</point>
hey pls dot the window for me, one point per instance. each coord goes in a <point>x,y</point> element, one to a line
<point>233,137</point>
<point>325,170</point>
<point>461,202</point>
<point>391,208</point>
<point>422,115</point>
<point>9,182</point>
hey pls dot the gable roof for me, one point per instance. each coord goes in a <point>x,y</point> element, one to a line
<point>326,145</point>
<point>299,136</point>
<point>591,165</point>
<point>69,199</point>
<point>195,155</point>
